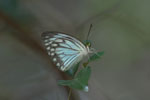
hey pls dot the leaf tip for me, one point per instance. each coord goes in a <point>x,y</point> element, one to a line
<point>86,89</point>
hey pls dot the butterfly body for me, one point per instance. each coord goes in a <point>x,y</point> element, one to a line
<point>64,50</point>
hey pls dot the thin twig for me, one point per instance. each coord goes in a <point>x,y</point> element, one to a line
<point>70,91</point>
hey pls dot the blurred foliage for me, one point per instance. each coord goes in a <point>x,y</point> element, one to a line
<point>9,6</point>
<point>106,3</point>
<point>13,10</point>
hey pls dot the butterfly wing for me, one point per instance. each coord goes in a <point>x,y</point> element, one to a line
<point>64,50</point>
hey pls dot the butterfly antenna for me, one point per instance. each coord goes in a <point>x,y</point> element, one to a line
<point>89,31</point>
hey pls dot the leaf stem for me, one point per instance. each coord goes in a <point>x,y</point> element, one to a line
<point>70,91</point>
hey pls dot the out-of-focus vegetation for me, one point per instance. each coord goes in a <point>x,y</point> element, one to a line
<point>121,29</point>
<point>15,11</point>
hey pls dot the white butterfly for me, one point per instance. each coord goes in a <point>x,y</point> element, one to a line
<point>64,50</point>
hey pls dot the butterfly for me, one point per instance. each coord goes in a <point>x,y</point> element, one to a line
<point>64,50</point>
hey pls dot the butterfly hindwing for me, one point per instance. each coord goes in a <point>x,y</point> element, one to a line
<point>63,49</point>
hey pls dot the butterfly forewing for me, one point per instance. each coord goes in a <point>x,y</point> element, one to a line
<point>64,50</point>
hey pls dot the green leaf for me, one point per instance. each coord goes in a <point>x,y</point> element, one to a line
<point>80,82</point>
<point>75,84</point>
<point>83,75</point>
<point>71,72</point>
<point>96,56</point>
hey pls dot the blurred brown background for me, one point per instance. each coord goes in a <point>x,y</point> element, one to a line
<point>121,29</point>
